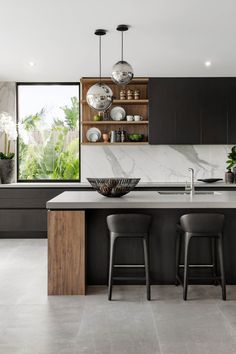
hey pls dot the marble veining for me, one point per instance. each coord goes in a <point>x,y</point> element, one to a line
<point>160,163</point>
<point>7,100</point>
<point>8,97</point>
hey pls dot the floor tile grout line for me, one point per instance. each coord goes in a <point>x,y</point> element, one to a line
<point>156,329</point>
<point>232,330</point>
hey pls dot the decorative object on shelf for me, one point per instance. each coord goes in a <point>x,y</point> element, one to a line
<point>231,162</point>
<point>122,72</point>
<point>100,95</point>
<point>136,137</point>
<point>113,187</point>
<point>113,136</point>
<point>7,162</point>
<point>117,113</point>
<point>123,136</point>
<point>136,94</point>
<point>137,118</point>
<point>210,180</point>
<point>229,176</point>
<point>93,135</point>
<point>106,115</point>
<point>129,118</point>
<point>105,137</point>
<point>122,95</point>
<point>130,94</point>
<point>97,117</point>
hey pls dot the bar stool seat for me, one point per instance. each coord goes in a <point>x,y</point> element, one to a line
<point>200,225</point>
<point>128,226</point>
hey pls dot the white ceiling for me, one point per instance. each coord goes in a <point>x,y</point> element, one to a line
<point>166,38</point>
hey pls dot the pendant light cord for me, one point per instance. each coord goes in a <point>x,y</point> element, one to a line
<point>122,45</point>
<point>100,58</point>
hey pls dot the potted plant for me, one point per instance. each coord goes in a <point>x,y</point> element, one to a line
<point>7,162</point>
<point>231,163</point>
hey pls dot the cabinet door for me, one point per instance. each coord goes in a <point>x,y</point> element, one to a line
<point>232,111</point>
<point>188,111</point>
<point>214,111</point>
<point>162,111</point>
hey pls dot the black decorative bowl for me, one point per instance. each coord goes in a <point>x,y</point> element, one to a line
<point>210,180</point>
<point>113,187</point>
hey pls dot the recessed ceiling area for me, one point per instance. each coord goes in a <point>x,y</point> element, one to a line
<point>166,38</point>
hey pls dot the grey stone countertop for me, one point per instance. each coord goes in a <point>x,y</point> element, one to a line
<point>142,200</point>
<point>220,184</point>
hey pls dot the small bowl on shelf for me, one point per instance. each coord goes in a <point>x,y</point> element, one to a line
<point>113,187</point>
<point>135,137</point>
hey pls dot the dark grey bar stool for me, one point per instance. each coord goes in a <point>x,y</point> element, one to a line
<point>200,225</point>
<point>128,226</point>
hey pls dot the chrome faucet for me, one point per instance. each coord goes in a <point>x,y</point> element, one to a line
<point>192,187</point>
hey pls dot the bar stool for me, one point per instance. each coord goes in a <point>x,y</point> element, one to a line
<point>130,226</point>
<point>200,225</point>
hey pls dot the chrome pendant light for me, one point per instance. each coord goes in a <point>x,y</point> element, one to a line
<point>122,72</point>
<point>100,96</point>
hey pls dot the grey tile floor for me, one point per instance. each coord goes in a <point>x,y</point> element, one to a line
<point>32,323</point>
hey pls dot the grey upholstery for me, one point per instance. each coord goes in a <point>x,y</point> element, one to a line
<point>202,223</point>
<point>129,224</point>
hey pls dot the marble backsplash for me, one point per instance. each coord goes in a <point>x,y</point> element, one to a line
<point>162,163</point>
<point>7,102</point>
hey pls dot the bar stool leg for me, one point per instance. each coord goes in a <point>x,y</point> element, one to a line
<point>213,258</point>
<point>110,280</point>
<point>187,238</point>
<point>221,261</point>
<point>177,257</point>
<point>146,261</point>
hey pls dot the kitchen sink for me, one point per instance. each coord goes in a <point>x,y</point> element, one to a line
<point>188,193</point>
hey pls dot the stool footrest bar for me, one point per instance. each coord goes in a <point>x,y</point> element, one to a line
<point>129,266</point>
<point>198,266</point>
<point>129,278</point>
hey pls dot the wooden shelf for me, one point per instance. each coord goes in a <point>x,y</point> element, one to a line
<point>125,143</point>
<point>141,101</point>
<point>112,122</point>
<point>132,107</point>
<point>91,80</point>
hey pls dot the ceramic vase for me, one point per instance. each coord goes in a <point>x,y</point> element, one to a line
<point>229,177</point>
<point>7,171</point>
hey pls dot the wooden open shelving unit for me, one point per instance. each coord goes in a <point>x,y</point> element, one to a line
<point>132,107</point>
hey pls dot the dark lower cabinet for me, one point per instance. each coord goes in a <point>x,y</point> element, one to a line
<point>192,111</point>
<point>23,211</point>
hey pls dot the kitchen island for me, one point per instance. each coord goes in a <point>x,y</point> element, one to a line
<point>78,242</point>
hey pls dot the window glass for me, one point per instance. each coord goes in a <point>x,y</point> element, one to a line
<point>48,127</point>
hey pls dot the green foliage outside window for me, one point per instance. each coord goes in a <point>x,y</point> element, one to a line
<point>50,153</point>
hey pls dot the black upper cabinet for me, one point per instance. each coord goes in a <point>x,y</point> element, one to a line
<point>192,111</point>
<point>188,93</point>
<point>214,111</point>
<point>174,111</point>
<point>232,111</point>
<point>162,114</point>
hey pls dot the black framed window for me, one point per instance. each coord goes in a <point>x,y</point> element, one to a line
<point>48,119</point>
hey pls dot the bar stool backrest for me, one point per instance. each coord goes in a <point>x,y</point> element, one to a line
<point>129,223</point>
<point>202,223</point>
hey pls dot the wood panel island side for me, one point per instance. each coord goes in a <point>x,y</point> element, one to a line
<point>78,242</point>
